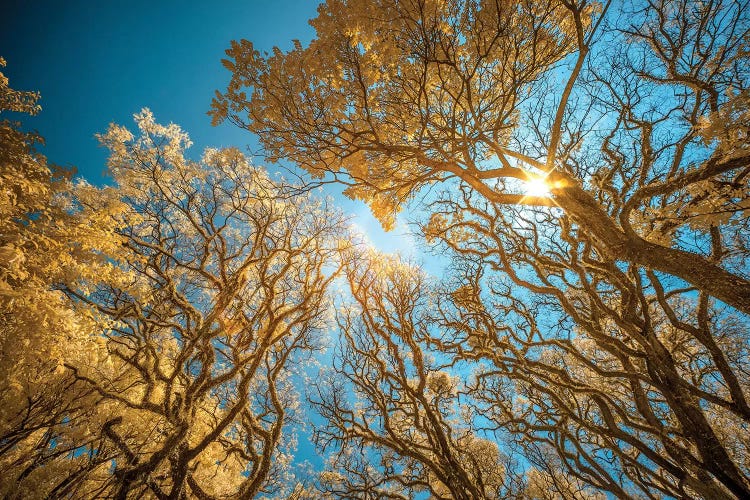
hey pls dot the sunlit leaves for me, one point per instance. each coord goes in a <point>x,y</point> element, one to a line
<point>396,93</point>
<point>228,288</point>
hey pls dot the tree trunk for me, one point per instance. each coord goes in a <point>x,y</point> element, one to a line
<point>690,267</point>
<point>695,425</point>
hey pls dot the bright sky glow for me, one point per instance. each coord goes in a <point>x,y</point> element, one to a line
<point>536,187</point>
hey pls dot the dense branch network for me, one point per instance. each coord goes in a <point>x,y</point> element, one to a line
<point>607,321</point>
<point>588,340</point>
<point>402,95</point>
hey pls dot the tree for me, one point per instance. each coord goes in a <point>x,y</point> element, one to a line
<point>651,117</point>
<point>391,407</point>
<point>637,388</point>
<point>154,333</point>
<point>228,291</point>
<point>44,244</point>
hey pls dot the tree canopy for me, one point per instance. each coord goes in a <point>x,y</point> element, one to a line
<point>153,331</point>
<point>619,113</point>
<point>583,165</point>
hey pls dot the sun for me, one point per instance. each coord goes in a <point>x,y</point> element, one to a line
<point>536,187</point>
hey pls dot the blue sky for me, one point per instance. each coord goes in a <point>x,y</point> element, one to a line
<point>99,62</point>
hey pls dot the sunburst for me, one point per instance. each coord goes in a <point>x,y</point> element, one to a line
<point>537,187</point>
